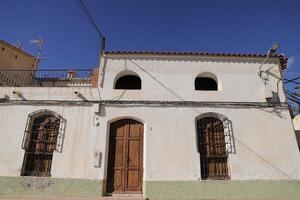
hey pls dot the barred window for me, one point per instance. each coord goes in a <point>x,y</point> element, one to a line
<point>40,140</point>
<point>212,147</point>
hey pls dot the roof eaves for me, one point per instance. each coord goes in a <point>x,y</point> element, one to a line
<point>282,59</point>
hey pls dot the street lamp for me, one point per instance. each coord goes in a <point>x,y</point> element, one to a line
<point>270,53</point>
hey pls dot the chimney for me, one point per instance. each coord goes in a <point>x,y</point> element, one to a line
<point>71,74</point>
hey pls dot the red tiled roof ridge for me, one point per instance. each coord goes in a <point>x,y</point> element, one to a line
<point>282,59</point>
<point>186,53</point>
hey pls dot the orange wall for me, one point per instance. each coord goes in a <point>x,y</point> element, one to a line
<point>10,58</point>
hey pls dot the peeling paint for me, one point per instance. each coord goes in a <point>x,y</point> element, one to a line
<point>49,187</point>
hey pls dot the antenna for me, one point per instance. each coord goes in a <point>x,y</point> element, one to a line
<point>19,45</point>
<point>39,42</point>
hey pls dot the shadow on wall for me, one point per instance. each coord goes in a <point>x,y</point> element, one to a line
<point>297,133</point>
<point>214,140</point>
<point>61,135</point>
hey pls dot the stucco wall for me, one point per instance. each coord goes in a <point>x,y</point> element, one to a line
<point>76,158</point>
<point>261,135</point>
<point>296,123</point>
<point>233,190</point>
<point>172,79</point>
<point>38,187</point>
<point>40,94</point>
<point>261,138</point>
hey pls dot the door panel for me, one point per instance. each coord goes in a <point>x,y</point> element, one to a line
<point>133,153</point>
<point>125,162</point>
<point>133,177</point>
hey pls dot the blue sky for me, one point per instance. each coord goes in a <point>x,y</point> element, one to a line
<point>163,25</point>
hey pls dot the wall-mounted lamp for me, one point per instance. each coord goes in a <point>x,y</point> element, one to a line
<point>78,94</point>
<point>19,94</point>
<point>270,53</point>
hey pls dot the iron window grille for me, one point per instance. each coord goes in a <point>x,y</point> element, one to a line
<point>215,142</point>
<point>43,135</point>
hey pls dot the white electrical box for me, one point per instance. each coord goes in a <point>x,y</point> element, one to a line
<point>97,157</point>
<point>96,108</point>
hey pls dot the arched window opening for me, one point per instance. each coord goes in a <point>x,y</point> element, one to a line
<point>40,141</point>
<point>129,82</point>
<point>205,83</point>
<point>212,148</point>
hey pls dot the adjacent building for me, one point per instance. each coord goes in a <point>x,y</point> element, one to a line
<point>157,125</point>
<point>13,57</point>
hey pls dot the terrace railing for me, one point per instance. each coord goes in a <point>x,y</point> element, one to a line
<point>49,78</point>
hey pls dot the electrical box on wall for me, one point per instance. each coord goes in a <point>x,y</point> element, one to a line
<point>96,108</point>
<point>3,97</point>
<point>99,109</point>
<point>97,157</point>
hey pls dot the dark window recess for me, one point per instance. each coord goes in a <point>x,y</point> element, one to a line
<point>129,82</point>
<point>3,48</point>
<point>212,148</point>
<point>39,143</point>
<point>204,83</point>
<point>16,56</point>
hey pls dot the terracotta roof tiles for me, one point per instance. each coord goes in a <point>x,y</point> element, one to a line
<point>282,59</point>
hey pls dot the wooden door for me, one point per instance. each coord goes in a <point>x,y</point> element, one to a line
<point>125,157</point>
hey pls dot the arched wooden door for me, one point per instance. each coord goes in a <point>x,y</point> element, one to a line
<point>125,157</point>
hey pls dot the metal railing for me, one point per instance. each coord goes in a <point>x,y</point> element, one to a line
<point>49,78</point>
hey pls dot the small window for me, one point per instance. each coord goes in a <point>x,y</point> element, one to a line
<point>129,82</point>
<point>3,48</point>
<point>205,83</point>
<point>16,56</point>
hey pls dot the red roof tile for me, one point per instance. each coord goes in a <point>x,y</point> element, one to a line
<point>282,59</point>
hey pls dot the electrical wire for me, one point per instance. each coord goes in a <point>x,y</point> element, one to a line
<point>293,53</point>
<point>92,22</point>
<point>89,17</point>
<point>292,80</point>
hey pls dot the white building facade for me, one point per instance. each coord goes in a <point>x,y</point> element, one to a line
<point>160,125</point>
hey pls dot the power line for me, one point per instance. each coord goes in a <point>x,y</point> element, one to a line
<point>292,80</point>
<point>293,53</point>
<point>89,17</point>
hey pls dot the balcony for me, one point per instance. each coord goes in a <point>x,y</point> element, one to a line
<point>49,78</point>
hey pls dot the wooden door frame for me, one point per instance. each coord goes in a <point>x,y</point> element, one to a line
<point>109,123</point>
